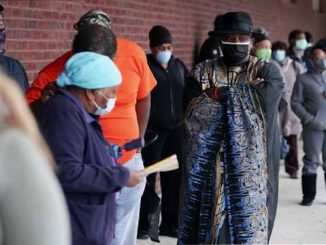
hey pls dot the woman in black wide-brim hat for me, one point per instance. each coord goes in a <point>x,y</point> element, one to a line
<point>230,195</point>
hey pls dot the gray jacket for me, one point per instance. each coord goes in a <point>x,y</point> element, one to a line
<point>289,122</point>
<point>308,100</point>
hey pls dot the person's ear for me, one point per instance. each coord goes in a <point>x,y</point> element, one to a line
<point>90,94</point>
<point>251,44</point>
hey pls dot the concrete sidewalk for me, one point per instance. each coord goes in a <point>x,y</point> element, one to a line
<point>294,223</point>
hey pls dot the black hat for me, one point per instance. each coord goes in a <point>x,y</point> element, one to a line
<point>217,24</point>
<point>159,35</point>
<point>1,8</point>
<point>235,23</point>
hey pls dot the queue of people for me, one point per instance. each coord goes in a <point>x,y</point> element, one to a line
<point>223,120</point>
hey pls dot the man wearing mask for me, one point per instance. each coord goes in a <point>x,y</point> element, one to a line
<point>298,44</point>
<point>309,103</point>
<point>166,119</point>
<point>230,196</point>
<point>11,66</point>
<point>126,122</point>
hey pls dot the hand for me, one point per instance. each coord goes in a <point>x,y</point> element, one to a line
<point>257,81</point>
<point>136,177</point>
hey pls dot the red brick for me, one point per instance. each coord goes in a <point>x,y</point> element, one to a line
<point>40,30</point>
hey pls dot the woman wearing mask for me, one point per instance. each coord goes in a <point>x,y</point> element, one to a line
<point>87,169</point>
<point>262,47</point>
<point>309,103</point>
<point>289,123</point>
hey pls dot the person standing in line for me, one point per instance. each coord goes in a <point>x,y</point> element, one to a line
<point>290,124</point>
<point>12,67</point>
<point>127,121</point>
<point>262,47</point>
<point>87,169</point>
<point>166,119</point>
<point>230,196</point>
<point>298,44</point>
<point>309,104</point>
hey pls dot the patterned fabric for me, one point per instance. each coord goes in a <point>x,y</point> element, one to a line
<point>204,134</point>
<point>245,168</point>
<point>227,116</point>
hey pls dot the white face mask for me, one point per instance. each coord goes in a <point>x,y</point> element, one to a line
<point>108,108</point>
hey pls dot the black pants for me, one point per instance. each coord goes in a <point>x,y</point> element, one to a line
<point>291,159</point>
<point>169,142</point>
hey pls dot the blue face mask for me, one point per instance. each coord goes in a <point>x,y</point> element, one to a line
<point>108,108</point>
<point>320,64</point>
<point>279,55</point>
<point>301,44</point>
<point>163,57</point>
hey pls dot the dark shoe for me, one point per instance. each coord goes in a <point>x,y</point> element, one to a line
<point>294,175</point>
<point>308,188</point>
<point>142,235</point>
<point>307,201</point>
<point>171,232</point>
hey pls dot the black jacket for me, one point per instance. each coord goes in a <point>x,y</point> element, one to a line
<point>167,96</point>
<point>14,69</point>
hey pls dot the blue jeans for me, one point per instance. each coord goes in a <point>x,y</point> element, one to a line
<point>128,207</point>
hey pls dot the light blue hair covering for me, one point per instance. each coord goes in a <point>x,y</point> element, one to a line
<point>90,70</point>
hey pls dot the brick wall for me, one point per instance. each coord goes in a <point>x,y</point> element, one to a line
<point>40,30</point>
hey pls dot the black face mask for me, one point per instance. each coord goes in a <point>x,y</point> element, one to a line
<point>235,54</point>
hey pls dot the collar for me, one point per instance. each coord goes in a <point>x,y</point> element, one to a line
<point>89,118</point>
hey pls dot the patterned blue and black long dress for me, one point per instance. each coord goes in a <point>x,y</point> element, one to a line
<point>229,190</point>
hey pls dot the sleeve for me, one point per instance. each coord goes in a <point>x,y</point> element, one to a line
<point>35,91</point>
<point>47,75</point>
<point>297,102</point>
<point>22,77</point>
<point>194,84</point>
<point>66,135</point>
<point>271,89</point>
<point>147,79</point>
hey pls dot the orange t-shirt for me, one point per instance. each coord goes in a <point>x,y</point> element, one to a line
<point>121,125</point>
<point>47,75</point>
